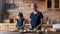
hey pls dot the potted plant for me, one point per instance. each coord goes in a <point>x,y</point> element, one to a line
<point>5,14</point>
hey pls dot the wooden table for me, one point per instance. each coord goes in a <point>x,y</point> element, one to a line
<point>47,26</point>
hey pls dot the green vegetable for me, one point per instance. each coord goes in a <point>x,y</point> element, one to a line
<point>20,30</point>
<point>24,30</point>
<point>37,31</point>
<point>34,29</point>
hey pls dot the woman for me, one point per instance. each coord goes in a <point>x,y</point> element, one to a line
<point>36,18</point>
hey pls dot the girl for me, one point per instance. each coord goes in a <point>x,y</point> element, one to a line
<point>20,21</point>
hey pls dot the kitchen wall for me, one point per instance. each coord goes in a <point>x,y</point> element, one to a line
<point>25,8</point>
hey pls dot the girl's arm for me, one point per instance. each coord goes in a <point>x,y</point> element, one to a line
<point>30,22</point>
<point>15,21</point>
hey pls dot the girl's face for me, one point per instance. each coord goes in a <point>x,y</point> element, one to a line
<point>20,17</point>
<point>35,9</point>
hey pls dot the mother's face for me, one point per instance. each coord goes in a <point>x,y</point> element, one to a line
<point>35,9</point>
<point>34,6</point>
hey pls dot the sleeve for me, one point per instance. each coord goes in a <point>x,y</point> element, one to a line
<point>30,15</point>
<point>41,15</point>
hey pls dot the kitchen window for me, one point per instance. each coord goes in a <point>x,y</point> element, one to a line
<point>49,3</point>
<point>53,4</point>
<point>56,5</point>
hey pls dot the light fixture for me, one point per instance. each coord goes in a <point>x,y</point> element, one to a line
<point>12,5</point>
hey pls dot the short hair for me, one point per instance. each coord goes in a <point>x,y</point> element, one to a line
<point>20,14</point>
<point>35,5</point>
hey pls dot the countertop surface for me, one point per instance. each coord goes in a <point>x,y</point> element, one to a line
<point>9,32</point>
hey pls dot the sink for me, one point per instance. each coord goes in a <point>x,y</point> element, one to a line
<point>56,26</point>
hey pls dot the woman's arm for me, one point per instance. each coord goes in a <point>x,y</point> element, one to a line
<point>40,23</point>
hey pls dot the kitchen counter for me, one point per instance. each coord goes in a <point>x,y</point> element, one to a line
<point>12,26</point>
<point>9,32</point>
<point>45,26</point>
<point>7,26</point>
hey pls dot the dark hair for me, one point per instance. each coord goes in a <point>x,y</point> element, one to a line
<point>20,14</point>
<point>35,5</point>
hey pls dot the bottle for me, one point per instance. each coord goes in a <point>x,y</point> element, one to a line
<point>47,20</point>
